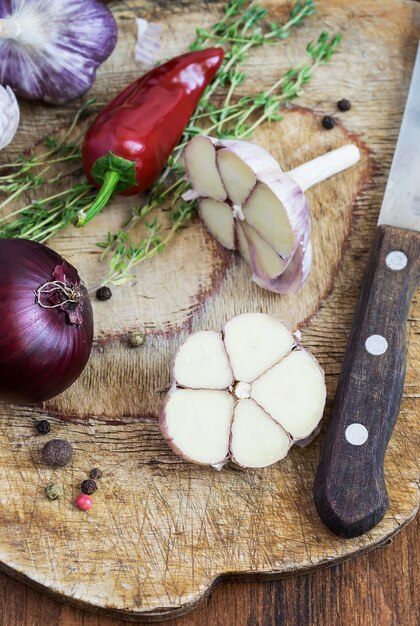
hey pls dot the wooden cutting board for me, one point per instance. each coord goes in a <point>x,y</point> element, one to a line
<point>163,532</point>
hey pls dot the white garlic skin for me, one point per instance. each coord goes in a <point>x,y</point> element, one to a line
<point>9,116</point>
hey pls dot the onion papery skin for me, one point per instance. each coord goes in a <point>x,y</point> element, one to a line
<point>61,45</point>
<point>41,352</point>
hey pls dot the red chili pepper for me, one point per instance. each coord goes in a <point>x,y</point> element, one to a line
<point>129,143</point>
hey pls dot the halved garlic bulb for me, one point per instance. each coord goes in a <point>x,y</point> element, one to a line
<point>249,204</point>
<point>238,394</point>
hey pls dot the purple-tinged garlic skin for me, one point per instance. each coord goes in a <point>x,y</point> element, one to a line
<point>269,221</point>
<point>245,395</point>
<point>50,49</point>
<point>270,217</point>
<point>9,116</point>
<point>257,158</point>
<point>148,41</point>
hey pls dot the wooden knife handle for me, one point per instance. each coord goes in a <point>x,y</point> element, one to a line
<point>349,491</point>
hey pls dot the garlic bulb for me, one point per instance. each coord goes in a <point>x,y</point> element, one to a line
<point>9,116</point>
<point>249,204</point>
<point>237,395</point>
<point>50,49</point>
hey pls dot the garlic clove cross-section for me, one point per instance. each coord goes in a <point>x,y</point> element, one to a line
<point>254,343</point>
<point>197,424</point>
<point>296,407</point>
<point>202,362</point>
<point>237,395</point>
<point>249,204</point>
<point>257,441</point>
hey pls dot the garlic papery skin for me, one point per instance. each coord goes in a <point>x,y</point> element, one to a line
<point>148,41</point>
<point>9,116</point>
<point>10,29</point>
<point>250,205</point>
<point>245,394</point>
<point>50,49</point>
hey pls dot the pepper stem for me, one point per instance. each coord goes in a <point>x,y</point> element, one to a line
<point>111,180</point>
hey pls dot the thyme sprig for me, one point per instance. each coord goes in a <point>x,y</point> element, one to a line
<point>222,112</point>
<point>42,218</point>
<point>127,255</point>
<point>241,29</point>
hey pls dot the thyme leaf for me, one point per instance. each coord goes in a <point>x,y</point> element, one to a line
<point>243,26</point>
<point>222,112</point>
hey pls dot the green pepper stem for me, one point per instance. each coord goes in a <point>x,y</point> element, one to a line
<point>111,180</point>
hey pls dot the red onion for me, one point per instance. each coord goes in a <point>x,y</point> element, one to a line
<point>46,322</point>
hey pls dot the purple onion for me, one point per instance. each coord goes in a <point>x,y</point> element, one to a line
<point>50,49</point>
<point>46,327</point>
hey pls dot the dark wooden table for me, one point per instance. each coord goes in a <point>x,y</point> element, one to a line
<point>377,589</point>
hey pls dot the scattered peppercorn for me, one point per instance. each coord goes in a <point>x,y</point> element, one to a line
<point>57,453</point>
<point>83,502</point>
<point>104,293</point>
<point>43,427</point>
<point>96,473</point>
<point>54,491</point>
<point>328,122</point>
<point>88,486</point>
<point>136,339</point>
<point>344,104</point>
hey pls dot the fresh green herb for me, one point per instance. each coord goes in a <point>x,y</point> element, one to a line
<point>240,30</point>
<point>244,25</point>
<point>40,219</point>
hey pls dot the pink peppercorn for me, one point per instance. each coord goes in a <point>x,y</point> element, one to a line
<point>83,502</point>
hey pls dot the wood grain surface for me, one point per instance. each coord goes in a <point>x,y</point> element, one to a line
<point>376,589</point>
<point>163,531</point>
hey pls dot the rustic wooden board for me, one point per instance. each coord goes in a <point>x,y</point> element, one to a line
<point>162,531</point>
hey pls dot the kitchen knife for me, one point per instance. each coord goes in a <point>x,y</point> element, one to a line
<point>349,491</point>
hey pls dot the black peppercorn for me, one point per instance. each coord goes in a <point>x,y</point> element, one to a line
<point>88,486</point>
<point>104,293</point>
<point>43,427</point>
<point>57,453</point>
<point>344,104</point>
<point>96,473</point>
<point>328,122</point>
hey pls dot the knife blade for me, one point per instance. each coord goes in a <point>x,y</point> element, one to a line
<point>349,490</point>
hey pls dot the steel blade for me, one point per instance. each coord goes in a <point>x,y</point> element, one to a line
<point>401,203</point>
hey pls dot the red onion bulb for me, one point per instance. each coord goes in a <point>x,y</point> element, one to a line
<point>46,322</point>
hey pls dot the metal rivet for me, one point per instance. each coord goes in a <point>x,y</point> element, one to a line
<point>356,434</point>
<point>376,344</point>
<point>396,260</point>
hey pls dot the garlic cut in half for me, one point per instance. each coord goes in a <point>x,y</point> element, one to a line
<point>237,394</point>
<point>250,205</point>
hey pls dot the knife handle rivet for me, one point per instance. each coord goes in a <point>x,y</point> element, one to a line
<point>396,260</point>
<point>376,345</point>
<point>356,434</point>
